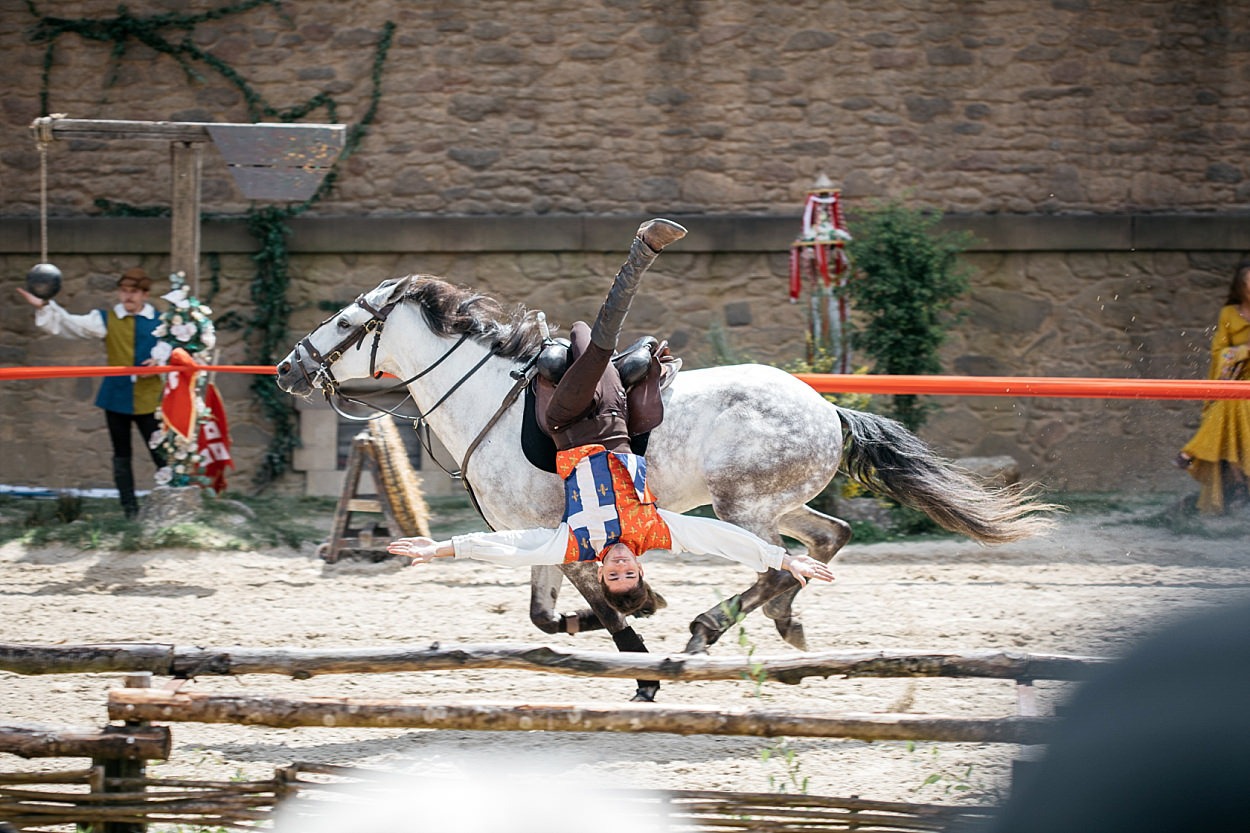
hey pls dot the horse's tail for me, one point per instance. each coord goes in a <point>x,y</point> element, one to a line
<point>892,461</point>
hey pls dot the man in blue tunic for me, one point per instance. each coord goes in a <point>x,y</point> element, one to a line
<point>128,341</point>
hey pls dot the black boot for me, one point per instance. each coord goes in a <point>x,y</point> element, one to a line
<point>629,640</point>
<point>124,479</point>
<point>650,240</point>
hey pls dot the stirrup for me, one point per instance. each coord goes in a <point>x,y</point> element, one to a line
<point>633,363</point>
<point>553,360</point>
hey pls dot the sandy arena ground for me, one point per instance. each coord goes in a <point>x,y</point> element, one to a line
<point>1090,587</point>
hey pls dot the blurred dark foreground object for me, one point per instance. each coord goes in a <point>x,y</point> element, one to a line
<point>1159,742</point>
<point>43,281</point>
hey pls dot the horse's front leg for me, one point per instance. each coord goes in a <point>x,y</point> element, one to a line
<point>582,575</point>
<point>545,581</point>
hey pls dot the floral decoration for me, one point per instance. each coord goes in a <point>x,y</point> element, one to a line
<point>186,324</point>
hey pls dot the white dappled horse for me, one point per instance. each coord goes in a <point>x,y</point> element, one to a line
<point>750,440</point>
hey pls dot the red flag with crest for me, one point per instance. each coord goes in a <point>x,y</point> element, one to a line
<point>214,440</point>
<point>178,398</point>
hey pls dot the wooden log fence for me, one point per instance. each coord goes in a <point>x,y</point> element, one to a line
<point>147,743</point>
<point>42,800</point>
<point>303,663</point>
<point>122,799</point>
<point>304,789</point>
<point>291,712</point>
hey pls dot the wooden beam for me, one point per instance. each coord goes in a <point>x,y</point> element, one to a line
<point>114,742</point>
<point>184,228</point>
<point>307,662</point>
<point>288,713</point>
<point>167,131</point>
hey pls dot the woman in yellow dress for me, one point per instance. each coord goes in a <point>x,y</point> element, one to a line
<point>1218,456</point>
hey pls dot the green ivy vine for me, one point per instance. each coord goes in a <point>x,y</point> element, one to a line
<point>266,328</point>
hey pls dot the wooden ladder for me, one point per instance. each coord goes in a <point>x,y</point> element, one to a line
<point>349,535</point>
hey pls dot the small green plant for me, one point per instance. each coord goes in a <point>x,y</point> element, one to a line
<point>907,277</point>
<point>953,780</point>
<point>66,509</point>
<point>755,670</point>
<point>793,779</point>
<point>780,749</point>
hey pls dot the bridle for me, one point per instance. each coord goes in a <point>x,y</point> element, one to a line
<point>323,378</point>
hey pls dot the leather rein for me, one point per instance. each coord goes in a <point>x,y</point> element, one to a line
<point>323,378</point>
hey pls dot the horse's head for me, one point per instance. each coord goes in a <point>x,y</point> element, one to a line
<point>333,352</point>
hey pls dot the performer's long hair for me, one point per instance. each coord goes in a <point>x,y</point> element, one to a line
<point>640,600</point>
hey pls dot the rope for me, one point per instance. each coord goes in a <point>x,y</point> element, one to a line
<point>42,128</point>
<point>43,137</point>
<point>1038,386</point>
<point>1049,386</point>
<point>7,373</point>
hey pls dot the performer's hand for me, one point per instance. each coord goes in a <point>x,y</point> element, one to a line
<point>421,550</point>
<point>803,567</point>
<point>33,300</point>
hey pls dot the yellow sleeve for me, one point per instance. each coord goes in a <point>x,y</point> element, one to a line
<point>1221,341</point>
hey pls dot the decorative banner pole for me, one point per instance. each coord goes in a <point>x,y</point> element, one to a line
<point>819,255</point>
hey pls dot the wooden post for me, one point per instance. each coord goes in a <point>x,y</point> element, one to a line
<point>184,248</point>
<point>126,767</point>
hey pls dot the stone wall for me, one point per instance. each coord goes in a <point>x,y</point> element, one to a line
<point>1112,315</point>
<point>635,107</point>
<point>520,113</point>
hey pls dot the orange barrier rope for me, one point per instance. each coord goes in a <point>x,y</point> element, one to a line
<point>1075,388</point>
<point>70,372</point>
<point>1054,386</point>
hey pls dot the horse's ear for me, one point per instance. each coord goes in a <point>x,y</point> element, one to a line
<point>390,289</point>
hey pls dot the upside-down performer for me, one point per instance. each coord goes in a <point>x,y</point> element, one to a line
<point>610,515</point>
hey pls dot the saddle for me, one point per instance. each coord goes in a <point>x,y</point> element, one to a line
<point>646,368</point>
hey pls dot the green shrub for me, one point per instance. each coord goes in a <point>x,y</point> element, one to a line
<point>907,276</point>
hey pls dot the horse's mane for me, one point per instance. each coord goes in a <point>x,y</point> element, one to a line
<point>457,310</point>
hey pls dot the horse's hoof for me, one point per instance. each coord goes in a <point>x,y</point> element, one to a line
<point>645,694</point>
<point>791,631</point>
<point>701,638</point>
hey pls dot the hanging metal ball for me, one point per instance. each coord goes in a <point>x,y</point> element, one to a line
<point>43,281</point>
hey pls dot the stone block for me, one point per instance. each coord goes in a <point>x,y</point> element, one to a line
<point>166,505</point>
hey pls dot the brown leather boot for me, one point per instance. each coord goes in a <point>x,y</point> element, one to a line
<point>649,241</point>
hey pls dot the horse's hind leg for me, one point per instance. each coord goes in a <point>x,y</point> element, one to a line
<point>775,590</point>
<point>824,536</point>
<point>710,625</point>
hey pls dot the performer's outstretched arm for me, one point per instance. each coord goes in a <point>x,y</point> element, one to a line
<point>520,547</point>
<point>712,536</point>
